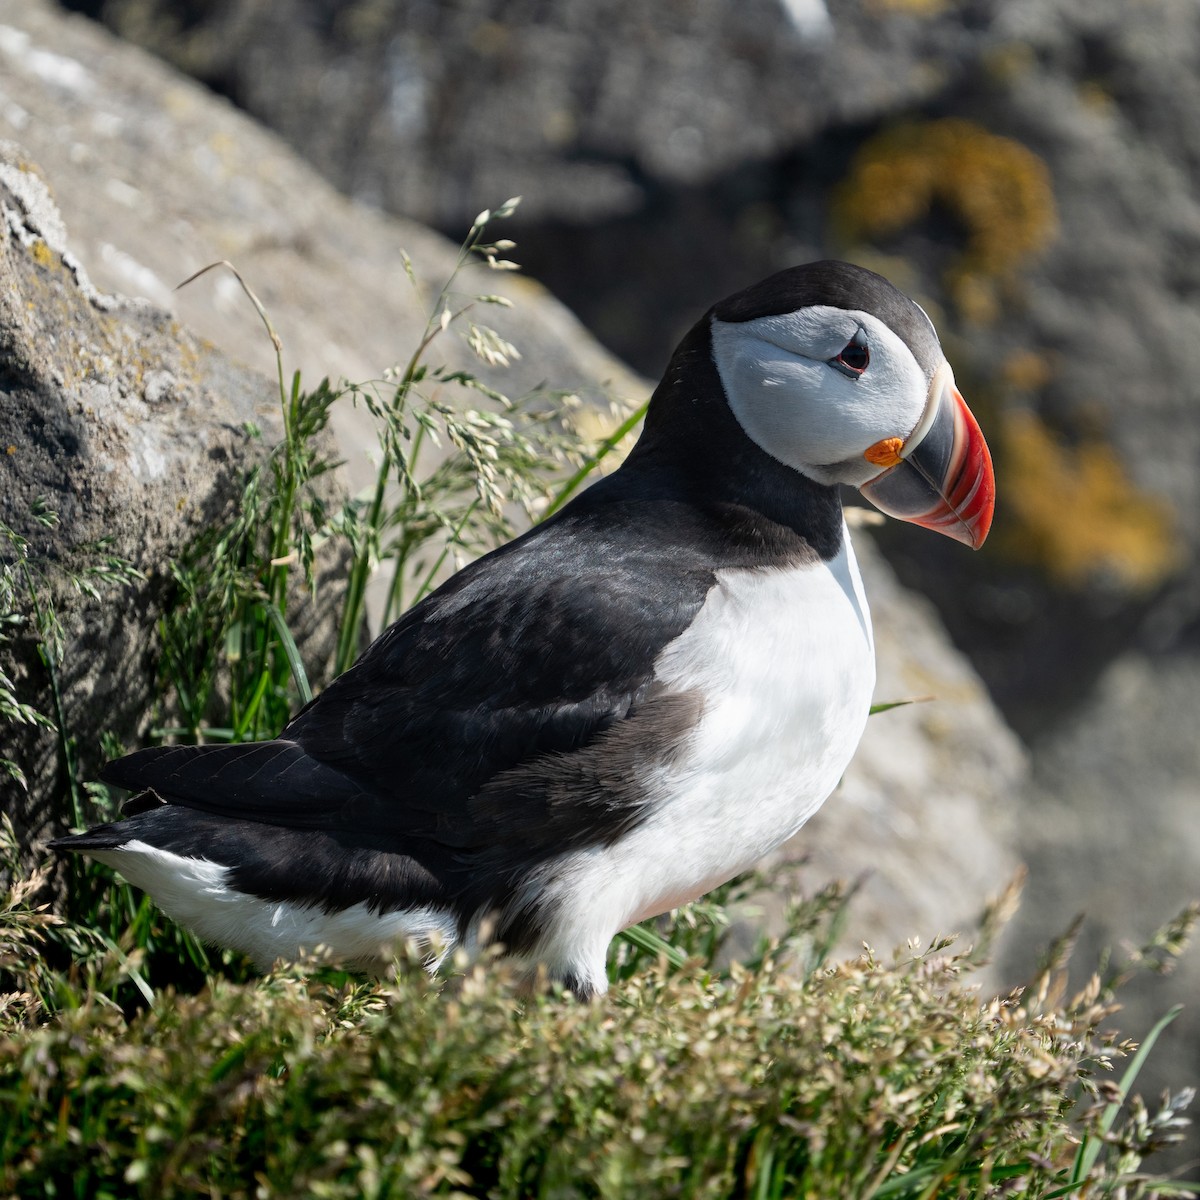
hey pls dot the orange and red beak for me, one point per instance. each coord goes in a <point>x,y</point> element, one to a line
<point>940,476</point>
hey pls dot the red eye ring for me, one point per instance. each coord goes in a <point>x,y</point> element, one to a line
<point>854,358</point>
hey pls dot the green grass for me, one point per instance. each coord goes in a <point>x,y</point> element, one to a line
<point>133,1061</point>
<point>784,1077</point>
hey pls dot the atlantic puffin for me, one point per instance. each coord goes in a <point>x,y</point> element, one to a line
<point>617,711</point>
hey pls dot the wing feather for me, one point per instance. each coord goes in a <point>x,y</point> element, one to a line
<point>528,655</point>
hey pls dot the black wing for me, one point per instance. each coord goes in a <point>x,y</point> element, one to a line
<point>464,724</point>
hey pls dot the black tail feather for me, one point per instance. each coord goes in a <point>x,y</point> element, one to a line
<point>103,837</point>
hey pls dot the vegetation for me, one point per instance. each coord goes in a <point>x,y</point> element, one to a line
<point>782,1077</point>
<point>133,1062</point>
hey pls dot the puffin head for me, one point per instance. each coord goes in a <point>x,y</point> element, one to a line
<point>835,373</point>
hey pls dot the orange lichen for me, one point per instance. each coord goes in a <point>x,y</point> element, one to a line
<point>1075,513</point>
<point>997,189</point>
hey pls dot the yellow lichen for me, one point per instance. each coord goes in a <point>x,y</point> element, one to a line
<point>1027,371</point>
<point>1075,513</point>
<point>42,254</point>
<point>917,8</point>
<point>1098,99</point>
<point>997,189</point>
<point>1009,61</point>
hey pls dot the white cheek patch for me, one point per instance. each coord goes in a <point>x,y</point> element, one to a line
<point>806,413</point>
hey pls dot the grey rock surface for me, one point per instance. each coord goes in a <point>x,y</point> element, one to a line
<point>128,428</point>
<point>925,804</point>
<point>671,158</point>
<point>422,107</point>
<point>1110,831</point>
<point>177,179</point>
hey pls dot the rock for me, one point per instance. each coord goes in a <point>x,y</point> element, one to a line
<point>128,428</point>
<point>1111,832</point>
<point>396,101</point>
<point>157,178</point>
<point>673,160</point>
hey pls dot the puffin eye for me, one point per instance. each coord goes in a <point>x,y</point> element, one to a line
<point>854,358</point>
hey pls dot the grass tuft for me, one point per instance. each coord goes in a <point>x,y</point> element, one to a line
<point>874,1077</point>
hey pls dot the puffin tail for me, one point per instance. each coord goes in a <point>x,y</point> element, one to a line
<point>103,837</point>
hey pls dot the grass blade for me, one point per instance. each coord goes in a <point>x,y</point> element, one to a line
<point>605,448</point>
<point>646,939</point>
<point>134,974</point>
<point>1090,1147</point>
<point>290,650</point>
<point>887,705</point>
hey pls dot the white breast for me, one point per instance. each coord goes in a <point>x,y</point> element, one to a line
<point>785,662</point>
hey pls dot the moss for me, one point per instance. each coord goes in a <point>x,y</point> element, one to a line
<point>1075,513</point>
<point>997,190</point>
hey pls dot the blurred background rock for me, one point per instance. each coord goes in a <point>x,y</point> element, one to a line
<point>1028,169</point>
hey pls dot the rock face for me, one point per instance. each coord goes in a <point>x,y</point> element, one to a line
<point>423,107</point>
<point>157,179</point>
<point>151,198</point>
<point>128,428</point>
<point>1110,831</point>
<point>1028,169</point>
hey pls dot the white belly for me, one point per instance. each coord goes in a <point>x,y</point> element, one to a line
<point>785,660</point>
<point>196,893</point>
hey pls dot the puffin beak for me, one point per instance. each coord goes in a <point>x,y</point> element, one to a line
<point>940,476</point>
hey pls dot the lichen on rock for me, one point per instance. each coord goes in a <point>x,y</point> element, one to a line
<point>1076,514</point>
<point>997,190</point>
